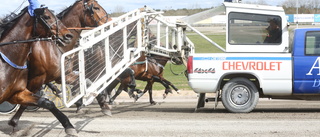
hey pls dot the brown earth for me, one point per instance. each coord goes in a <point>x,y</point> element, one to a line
<point>175,116</point>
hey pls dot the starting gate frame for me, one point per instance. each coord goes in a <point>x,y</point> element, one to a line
<point>141,18</point>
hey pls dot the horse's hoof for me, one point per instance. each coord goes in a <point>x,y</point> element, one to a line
<point>106,112</point>
<point>109,107</point>
<point>164,96</point>
<point>153,103</point>
<point>178,91</point>
<point>71,132</point>
<point>106,109</point>
<point>131,95</point>
<point>79,111</point>
<point>12,123</point>
<point>111,102</point>
<point>115,103</point>
<point>136,98</point>
<point>167,91</point>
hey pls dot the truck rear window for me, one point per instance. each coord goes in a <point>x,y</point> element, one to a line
<point>254,29</point>
<point>312,46</point>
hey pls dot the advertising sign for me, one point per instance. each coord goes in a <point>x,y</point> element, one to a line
<point>316,17</point>
<point>303,17</point>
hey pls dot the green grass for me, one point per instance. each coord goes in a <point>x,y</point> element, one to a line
<point>203,46</point>
<point>180,81</point>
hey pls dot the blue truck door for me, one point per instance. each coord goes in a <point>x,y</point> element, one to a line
<point>306,57</point>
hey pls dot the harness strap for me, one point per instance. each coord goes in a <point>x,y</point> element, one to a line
<point>158,64</point>
<point>143,62</point>
<point>5,58</point>
<point>81,28</point>
<point>26,41</point>
<point>138,63</point>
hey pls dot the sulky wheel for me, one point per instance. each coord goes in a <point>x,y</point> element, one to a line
<point>55,97</point>
<point>239,95</point>
<point>7,108</point>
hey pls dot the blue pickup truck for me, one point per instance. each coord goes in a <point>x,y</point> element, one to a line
<point>261,60</point>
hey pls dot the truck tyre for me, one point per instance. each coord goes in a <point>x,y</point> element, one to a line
<point>239,95</point>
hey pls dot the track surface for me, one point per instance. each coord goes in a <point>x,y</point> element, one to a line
<point>175,116</point>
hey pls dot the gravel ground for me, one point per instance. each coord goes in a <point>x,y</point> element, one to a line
<point>175,116</point>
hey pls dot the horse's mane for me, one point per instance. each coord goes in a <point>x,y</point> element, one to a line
<point>9,20</point>
<point>65,11</point>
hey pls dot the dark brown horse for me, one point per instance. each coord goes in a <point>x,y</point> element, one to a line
<point>83,13</point>
<point>147,68</point>
<point>16,45</point>
<point>156,66</point>
<point>94,15</point>
<point>45,62</point>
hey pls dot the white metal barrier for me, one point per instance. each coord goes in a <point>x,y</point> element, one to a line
<point>167,39</point>
<point>106,51</point>
<point>102,55</point>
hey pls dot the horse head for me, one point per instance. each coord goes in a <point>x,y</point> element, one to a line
<point>94,14</point>
<point>48,21</point>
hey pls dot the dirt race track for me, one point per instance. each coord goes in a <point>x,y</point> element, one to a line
<point>175,116</point>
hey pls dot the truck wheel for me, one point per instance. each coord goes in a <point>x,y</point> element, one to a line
<point>239,95</point>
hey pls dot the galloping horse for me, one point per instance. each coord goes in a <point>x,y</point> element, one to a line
<point>147,68</point>
<point>155,68</point>
<point>45,61</point>
<point>15,44</point>
<point>89,14</point>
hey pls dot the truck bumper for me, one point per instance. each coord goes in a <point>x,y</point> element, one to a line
<point>203,86</point>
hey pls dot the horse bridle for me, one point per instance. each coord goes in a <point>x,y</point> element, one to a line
<point>90,10</point>
<point>39,13</point>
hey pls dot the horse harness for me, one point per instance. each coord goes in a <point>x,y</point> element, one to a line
<point>146,62</point>
<point>90,10</point>
<point>38,16</point>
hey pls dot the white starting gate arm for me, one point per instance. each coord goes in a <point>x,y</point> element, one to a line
<point>106,51</point>
<point>103,54</point>
<point>167,38</point>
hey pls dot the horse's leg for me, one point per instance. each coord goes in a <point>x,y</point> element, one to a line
<point>152,102</point>
<point>168,89</point>
<point>127,80</point>
<point>101,98</point>
<point>170,84</point>
<point>120,88</point>
<point>79,104</point>
<point>27,98</point>
<point>54,88</point>
<point>138,91</point>
<point>149,89</point>
<point>64,120</point>
<point>132,83</point>
<point>25,101</point>
<point>15,119</point>
<point>140,94</point>
<point>109,89</point>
